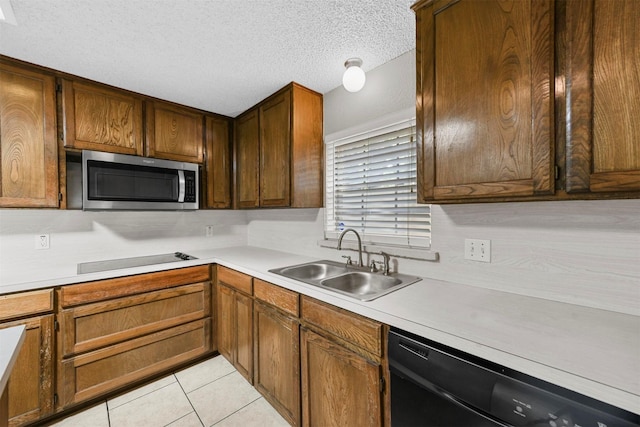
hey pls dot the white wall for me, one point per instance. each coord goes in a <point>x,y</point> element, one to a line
<point>77,237</point>
<point>581,252</point>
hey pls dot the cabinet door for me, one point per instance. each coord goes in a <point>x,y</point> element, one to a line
<point>307,149</point>
<point>277,360</point>
<point>603,84</point>
<point>93,326</point>
<point>275,151</point>
<point>244,336</point>
<point>31,382</point>
<point>174,132</point>
<point>225,321</point>
<point>95,373</point>
<point>218,163</point>
<point>247,137</point>
<point>28,145</point>
<point>101,118</point>
<point>485,99</point>
<point>339,387</point>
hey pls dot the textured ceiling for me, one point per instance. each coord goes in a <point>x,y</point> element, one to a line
<point>218,55</point>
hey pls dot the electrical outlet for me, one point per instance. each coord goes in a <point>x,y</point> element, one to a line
<point>208,231</point>
<point>41,241</point>
<point>477,250</point>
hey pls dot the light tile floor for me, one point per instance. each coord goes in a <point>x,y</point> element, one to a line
<point>211,393</point>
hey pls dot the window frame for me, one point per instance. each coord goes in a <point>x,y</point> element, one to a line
<point>391,123</point>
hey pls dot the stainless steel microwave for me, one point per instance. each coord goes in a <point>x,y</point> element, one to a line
<point>123,182</point>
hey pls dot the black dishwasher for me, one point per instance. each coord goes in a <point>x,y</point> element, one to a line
<point>436,386</point>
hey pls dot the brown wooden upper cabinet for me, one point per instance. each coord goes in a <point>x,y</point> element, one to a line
<point>174,132</point>
<point>603,96</point>
<point>28,145</point>
<point>247,151</point>
<point>485,96</point>
<point>97,117</point>
<point>218,162</point>
<point>279,151</point>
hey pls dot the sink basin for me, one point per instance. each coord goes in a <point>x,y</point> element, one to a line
<point>355,282</point>
<point>361,283</point>
<point>313,271</point>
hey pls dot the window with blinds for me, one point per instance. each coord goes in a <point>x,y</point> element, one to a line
<point>371,187</point>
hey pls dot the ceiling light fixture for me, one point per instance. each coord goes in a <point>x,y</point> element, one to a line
<point>353,78</point>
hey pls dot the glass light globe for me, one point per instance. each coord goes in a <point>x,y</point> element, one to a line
<point>353,78</point>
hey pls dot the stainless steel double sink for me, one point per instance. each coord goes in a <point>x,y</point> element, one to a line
<point>356,282</point>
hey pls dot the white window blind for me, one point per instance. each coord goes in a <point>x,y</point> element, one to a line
<point>371,187</point>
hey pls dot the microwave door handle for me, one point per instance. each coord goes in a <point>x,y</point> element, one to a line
<point>181,186</point>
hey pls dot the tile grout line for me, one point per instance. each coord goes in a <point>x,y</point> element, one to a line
<point>145,394</point>
<point>190,404</point>
<point>210,382</point>
<point>236,411</point>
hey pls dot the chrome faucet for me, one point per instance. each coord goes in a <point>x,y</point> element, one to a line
<point>360,263</point>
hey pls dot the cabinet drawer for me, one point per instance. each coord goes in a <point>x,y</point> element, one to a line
<point>93,374</point>
<point>25,304</point>
<point>96,325</point>
<point>278,297</point>
<point>235,279</point>
<point>354,329</point>
<point>100,290</point>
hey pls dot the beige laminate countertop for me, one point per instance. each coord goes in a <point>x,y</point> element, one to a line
<point>594,352</point>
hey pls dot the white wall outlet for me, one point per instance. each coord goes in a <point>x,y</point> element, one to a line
<point>477,250</point>
<point>208,231</point>
<point>41,241</point>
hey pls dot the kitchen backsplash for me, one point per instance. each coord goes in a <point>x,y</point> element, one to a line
<point>579,252</point>
<point>77,236</point>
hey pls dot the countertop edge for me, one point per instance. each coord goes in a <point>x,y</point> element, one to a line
<point>11,339</point>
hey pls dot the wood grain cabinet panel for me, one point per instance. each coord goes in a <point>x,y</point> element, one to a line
<point>100,290</point>
<point>118,331</point>
<point>174,132</point>
<point>357,330</point>
<point>101,118</point>
<point>218,180</point>
<point>225,321</point>
<point>95,373</point>
<point>485,81</point>
<point>235,319</point>
<point>31,385</point>
<point>279,151</point>
<point>247,164</point>
<point>92,326</point>
<point>31,382</point>
<point>339,387</point>
<point>275,146</point>
<point>243,360</point>
<point>603,96</point>
<point>343,360</point>
<point>277,348</point>
<point>28,144</point>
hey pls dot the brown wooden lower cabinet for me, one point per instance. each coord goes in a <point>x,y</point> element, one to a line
<point>277,349</point>
<point>120,331</point>
<point>31,382</point>
<point>235,331</point>
<point>339,386</point>
<point>96,373</point>
<point>234,311</point>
